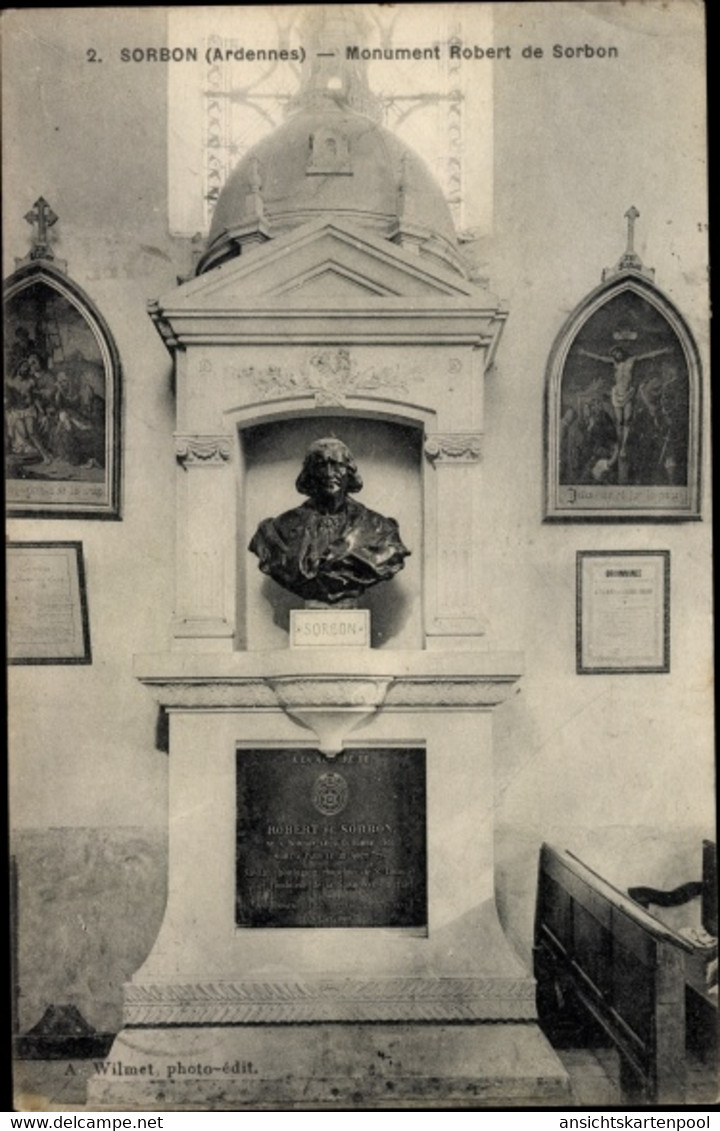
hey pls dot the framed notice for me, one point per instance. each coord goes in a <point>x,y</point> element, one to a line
<point>623,611</point>
<point>47,604</point>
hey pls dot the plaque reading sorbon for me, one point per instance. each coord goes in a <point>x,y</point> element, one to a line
<point>336,843</point>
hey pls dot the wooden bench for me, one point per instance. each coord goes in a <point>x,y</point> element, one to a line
<point>606,967</point>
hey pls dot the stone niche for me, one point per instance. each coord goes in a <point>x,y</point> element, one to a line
<point>330,935</point>
<point>389,455</point>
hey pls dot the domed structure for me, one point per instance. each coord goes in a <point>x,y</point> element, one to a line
<point>329,161</point>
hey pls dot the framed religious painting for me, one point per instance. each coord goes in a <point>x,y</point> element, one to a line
<point>47,612</point>
<point>623,611</point>
<point>62,400</point>
<point>623,405</point>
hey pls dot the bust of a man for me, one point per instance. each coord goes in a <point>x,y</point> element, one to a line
<point>331,548</point>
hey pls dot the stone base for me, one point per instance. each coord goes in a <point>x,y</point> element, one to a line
<point>326,1067</point>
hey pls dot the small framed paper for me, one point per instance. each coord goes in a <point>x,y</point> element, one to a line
<point>47,604</point>
<point>623,611</point>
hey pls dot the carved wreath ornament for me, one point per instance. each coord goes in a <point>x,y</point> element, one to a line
<point>330,375</point>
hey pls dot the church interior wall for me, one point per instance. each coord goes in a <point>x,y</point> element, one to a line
<point>617,768</point>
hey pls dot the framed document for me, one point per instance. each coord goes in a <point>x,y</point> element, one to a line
<point>623,611</point>
<point>47,604</point>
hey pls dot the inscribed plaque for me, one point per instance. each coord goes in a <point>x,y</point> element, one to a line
<point>336,843</point>
<point>46,604</point>
<point>623,611</point>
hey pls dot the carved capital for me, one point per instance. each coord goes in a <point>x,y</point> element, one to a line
<point>453,447</point>
<point>203,451</point>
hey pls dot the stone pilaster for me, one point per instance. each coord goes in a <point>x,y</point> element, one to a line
<point>205,591</point>
<point>452,484</point>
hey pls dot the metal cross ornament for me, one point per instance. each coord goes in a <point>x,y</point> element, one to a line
<point>629,260</point>
<point>631,216</point>
<point>42,216</point>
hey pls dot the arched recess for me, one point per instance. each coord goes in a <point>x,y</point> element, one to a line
<point>388,450</point>
<point>623,409</point>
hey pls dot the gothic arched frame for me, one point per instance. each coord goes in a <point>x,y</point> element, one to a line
<point>83,481</point>
<point>658,489</point>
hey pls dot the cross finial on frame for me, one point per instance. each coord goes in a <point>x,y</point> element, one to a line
<point>631,216</point>
<point>629,260</point>
<point>41,216</point>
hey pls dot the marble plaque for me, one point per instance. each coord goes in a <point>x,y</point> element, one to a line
<point>338,843</point>
<point>329,628</point>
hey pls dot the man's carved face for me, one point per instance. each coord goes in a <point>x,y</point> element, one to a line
<point>329,477</point>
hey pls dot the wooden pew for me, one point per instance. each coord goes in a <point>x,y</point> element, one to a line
<point>603,963</point>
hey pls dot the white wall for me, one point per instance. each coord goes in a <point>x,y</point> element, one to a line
<point>617,768</point>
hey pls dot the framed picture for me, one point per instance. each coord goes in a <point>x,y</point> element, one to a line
<point>62,400</point>
<point>623,611</point>
<point>622,419</point>
<point>47,604</point>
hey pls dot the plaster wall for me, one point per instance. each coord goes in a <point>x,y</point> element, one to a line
<point>617,768</point>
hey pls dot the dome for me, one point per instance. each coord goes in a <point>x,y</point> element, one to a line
<point>330,161</point>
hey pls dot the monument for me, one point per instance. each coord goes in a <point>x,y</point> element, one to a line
<point>331,937</point>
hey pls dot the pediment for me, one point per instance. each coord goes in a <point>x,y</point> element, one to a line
<point>332,280</point>
<point>319,264</point>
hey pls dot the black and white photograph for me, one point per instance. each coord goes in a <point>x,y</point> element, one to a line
<point>364,761</point>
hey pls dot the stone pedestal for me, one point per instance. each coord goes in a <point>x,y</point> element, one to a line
<point>405,1011</point>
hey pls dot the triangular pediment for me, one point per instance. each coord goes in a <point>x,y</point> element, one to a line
<point>329,280</point>
<point>319,264</point>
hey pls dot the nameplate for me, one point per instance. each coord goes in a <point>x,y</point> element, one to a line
<point>329,628</point>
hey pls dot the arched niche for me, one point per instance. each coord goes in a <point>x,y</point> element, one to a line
<point>389,457</point>
<point>623,404</point>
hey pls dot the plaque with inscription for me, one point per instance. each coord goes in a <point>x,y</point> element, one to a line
<point>338,843</point>
<point>623,611</point>
<point>47,604</point>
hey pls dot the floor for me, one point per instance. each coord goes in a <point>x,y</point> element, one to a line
<point>594,1076</point>
<point>594,1082</point>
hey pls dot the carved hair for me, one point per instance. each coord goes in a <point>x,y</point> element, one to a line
<point>330,448</point>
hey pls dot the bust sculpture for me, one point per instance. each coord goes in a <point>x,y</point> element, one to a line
<point>331,548</point>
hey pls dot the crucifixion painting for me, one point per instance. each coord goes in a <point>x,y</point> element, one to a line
<point>624,400</point>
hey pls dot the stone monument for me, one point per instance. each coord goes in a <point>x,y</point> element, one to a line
<point>330,937</point>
